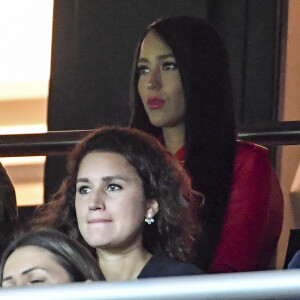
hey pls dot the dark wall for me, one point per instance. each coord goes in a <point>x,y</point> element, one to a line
<point>250,31</point>
<point>93,48</point>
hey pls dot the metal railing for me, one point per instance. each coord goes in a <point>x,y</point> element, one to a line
<point>284,284</point>
<point>272,134</point>
<point>60,142</point>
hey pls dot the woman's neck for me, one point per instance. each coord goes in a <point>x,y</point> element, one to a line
<point>174,137</point>
<point>122,266</point>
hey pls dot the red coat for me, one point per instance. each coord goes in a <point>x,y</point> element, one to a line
<point>254,214</point>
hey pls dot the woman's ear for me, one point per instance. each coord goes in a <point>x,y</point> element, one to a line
<point>151,207</point>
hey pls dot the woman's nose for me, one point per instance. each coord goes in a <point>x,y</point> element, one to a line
<point>96,201</point>
<point>154,81</point>
<point>20,281</point>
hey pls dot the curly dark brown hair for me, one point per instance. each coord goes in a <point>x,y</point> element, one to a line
<point>163,178</point>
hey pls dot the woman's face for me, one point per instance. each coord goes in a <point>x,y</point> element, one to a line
<point>159,83</point>
<point>110,202</point>
<point>32,265</point>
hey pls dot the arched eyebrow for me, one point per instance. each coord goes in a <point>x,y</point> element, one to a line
<point>30,270</point>
<point>82,180</point>
<point>162,56</point>
<point>106,178</point>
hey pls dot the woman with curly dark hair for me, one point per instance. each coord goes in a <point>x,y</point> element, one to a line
<point>181,93</point>
<point>127,198</point>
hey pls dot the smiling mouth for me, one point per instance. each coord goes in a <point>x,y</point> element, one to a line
<point>155,102</point>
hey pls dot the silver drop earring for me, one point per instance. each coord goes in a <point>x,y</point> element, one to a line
<point>149,220</point>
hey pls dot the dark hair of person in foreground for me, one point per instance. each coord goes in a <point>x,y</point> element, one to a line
<point>74,258</point>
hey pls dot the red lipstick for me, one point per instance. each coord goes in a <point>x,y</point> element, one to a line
<point>155,102</point>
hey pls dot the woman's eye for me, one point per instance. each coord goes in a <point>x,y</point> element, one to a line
<point>37,281</point>
<point>169,66</point>
<point>83,189</point>
<point>112,187</point>
<point>143,70</point>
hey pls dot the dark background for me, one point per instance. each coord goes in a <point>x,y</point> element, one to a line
<point>93,48</point>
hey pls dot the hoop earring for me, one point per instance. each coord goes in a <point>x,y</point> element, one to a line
<point>149,220</point>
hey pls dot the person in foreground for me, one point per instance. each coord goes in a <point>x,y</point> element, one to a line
<point>181,93</point>
<point>46,257</point>
<point>130,201</point>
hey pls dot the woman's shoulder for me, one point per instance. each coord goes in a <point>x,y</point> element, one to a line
<point>244,148</point>
<point>162,265</point>
<point>250,157</point>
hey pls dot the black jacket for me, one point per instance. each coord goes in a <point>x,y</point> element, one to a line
<point>162,265</point>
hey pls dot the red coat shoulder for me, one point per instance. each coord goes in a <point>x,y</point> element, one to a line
<point>254,213</point>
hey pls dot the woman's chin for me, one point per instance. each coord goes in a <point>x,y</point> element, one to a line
<point>99,244</point>
<point>157,122</point>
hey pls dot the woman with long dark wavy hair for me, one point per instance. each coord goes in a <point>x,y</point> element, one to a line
<point>130,201</point>
<point>181,93</point>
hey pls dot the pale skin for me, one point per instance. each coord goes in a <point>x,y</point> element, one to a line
<point>32,265</point>
<point>111,208</point>
<point>160,77</point>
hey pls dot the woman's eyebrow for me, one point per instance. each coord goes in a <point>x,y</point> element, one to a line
<point>82,180</point>
<point>7,278</point>
<point>164,56</point>
<point>142,59</point>
<point>110,178</point>
<point>30,270</point>
<point>161,56</point>
<point>106,178</point>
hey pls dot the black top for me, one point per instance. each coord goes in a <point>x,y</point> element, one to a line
<point>162,265</point>
<point>295,262</point>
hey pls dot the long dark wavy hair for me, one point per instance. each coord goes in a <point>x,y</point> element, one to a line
<point>76,260</point>
<point>210,138</point>
<point>163,178</point>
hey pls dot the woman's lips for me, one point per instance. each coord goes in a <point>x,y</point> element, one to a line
<point>155,103</point>
<point>93,221</point>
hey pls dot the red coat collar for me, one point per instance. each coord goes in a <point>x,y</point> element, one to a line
<point>179,154</point>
